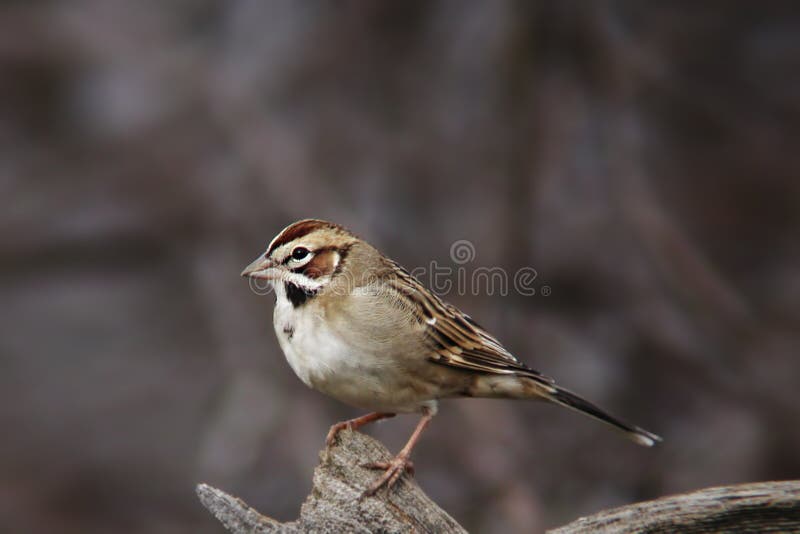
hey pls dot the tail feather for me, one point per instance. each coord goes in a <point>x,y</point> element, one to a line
<point>570,400</point>
<point>517,386</point>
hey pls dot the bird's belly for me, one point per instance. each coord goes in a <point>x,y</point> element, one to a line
<point>327,362</point>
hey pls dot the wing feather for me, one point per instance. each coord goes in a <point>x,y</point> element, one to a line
<point>455,338</point>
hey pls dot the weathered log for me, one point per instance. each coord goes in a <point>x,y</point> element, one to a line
<point>758,507</point>
<point>337,504</point>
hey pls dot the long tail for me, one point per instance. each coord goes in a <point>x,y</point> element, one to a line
<point>567,398</point>
<point>536,386</point>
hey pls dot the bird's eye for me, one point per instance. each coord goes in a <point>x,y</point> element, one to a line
<point>299,253</point>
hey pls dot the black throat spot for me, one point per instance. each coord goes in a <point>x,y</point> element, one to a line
<point>297,295</point>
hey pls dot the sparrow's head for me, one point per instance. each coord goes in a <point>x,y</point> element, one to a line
<point>306,254</point>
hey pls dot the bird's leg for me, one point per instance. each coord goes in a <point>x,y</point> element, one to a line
<point>400,463</point>
<point>354,424</point>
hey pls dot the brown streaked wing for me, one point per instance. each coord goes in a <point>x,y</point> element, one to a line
<point>455,339</point>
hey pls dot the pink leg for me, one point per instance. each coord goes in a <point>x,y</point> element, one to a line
<point>355,424</point>
<point>400,463</point>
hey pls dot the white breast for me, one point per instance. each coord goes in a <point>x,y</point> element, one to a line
<point>301,334</point>
<point>327,362</point>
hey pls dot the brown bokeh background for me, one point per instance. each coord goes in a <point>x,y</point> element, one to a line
<point>641,156</point>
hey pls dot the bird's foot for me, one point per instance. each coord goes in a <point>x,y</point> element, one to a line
<point>392,470</point>
<point>335,429</point>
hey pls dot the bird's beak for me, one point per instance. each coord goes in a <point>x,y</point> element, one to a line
<point>261,268</point>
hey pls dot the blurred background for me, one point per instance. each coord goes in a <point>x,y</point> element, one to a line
<point>641,156</point>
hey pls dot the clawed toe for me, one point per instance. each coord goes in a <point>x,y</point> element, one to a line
<point>392,470</point>
<point>408,466</point>
<point>330,439</point>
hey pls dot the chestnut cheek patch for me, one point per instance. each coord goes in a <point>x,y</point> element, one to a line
<point>323,264</point>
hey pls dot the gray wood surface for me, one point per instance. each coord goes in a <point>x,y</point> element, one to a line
<point>759,507</point>
<point>336,504</point>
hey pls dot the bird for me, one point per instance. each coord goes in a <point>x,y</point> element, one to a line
<point>355,325</point>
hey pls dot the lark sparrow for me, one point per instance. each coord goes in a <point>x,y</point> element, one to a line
<point>355,325</point>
